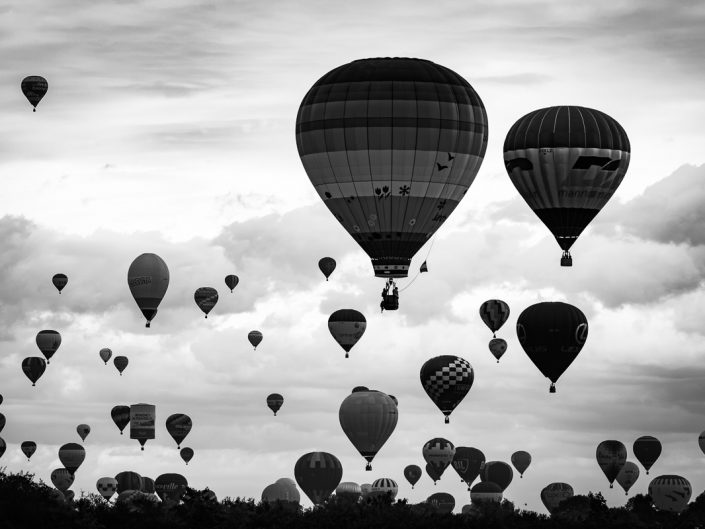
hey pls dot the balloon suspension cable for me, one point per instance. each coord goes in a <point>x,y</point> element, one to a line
<point>433,240</point>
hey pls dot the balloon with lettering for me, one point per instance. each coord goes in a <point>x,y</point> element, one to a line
<point>444,502</point>
<point>178,425</point>
<point>554,493</point>
<point>33,368</point>
<point>611,455</point>
<point>391,146</point>
<point>467,462</point>
<point>142,422</point>
<point>34,88</point>
<point>347,326</point>
<point>206,298</point>
<point>48,342</point>
<point>566,162</point>
<point>327,266</point>
<point>170,487</point>
<point>148,279</point>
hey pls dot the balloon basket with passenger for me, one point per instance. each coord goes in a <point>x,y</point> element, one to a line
<point>390,296</point>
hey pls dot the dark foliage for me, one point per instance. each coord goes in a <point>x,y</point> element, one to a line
<point>25,504</point>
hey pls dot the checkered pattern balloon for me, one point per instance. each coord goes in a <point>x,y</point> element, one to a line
<point>447,379</point>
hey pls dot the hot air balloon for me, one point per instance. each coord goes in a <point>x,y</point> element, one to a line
<point>701,441</point>
<point>348,491</point>
<point>368,418</point>
<point>412,473</point>
<point>347,326</point>
<point>48,342</point>
<point>128,480</point>
<point>611,456</point>
<point>34,87</point>
<point>59,281</point>
<point>33,367</point>
<point>384,487</point>
<point>521,461</point>
<point>494,312</point>
<point>670,493</point>
<point>467,462</point>
<point>148,279</point>
<point>438,452</point>
<point>231,281</point>
<point>432,472</point>
<point>120,363</point>
<point>62,479</point>
<point>106,486</point>
<point>83,430</point>
<point>71,456</point>
<point>486,491</point>
<point>497,472</point>
<point>566,162</point>
<point>647,450</point>
<point>28,448</point>
<point>391,145</point>
<point>2,421</point>
<point>628,476</point>
<point>206,298</point>
<point>552,334</point>
<point>186,454</point>
<point>444,502</point>
<point>327,266</point>
<point>142,420</point>
<point>447,379</point>
<point>3,446</point>
<point>274,402</point>
<point>178,425</point>
<point>255,338</point>
<point>120,416</point>
<point>279,492</point>
<point>498,347</point>
<point>554,493</point>
<point>318,473</point>
<point>366,490</point>
<point>105,355</point>
<point>147,485</point>
<point>1,399</point>
<point>357,389</point>
<point>170,487</point>
<point>292,493</point>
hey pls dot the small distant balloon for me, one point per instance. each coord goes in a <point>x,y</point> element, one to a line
<point>178,425</point>
<point>34,87</point>
<point>48,342</point>
<point>33,367</point>
<point>521,461</point>
<point>71,456</point>
<point>255,338</point>
<point>446,380</point>
<point>28,448</point>
<point>412,473</point>
<point>494,312</point>
<point>274,402</point>
<point>347,326</point>
<point>186,454</point>
<point>498,347</point>
<point>628,476</point>
<point>231,281</point>
<point>83,431</point>
<point>105,355</point>
<point>148,279</point>
<point>432,472</point>
<point>327,266</point>
<point>120,416</point>
<point>206,298</point>
<point>121,363</point>
<point>647,450</point>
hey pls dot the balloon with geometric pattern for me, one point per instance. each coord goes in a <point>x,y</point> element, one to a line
<point>391,146</point>
<point>178,425</point>
<point>438,453</point>
<point>384,487</point>
<point>566,162</point>
<point>318,474</point>
<point>647,450</point>
<point>444,502</point>
<point>446,380</point>
<point>494,312</point>
<point>34,87</point>
<point>107,487</point>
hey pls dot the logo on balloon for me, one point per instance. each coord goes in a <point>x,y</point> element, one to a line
<point>581,333</point>
<point>521,333</point>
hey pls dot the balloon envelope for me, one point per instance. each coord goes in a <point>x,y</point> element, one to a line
<point>59,281</point>
<point>552,334</point>
<point>446,380</point>
<point>412,473</point>
<point>28,448</point>
<point>128,480</point>
<point>34,87</point>
<point>554,493</point>
<point>62,479</point>
<point>206,298</point>
<point>178,425</point>
<point>255,338</point>
<point>391,145</point>
<point>71,456</point>
<point>497,472</point>
<point>274,402</point>
<point>498,347</point>
<point>83,430</point>
<point>384,487</point>
<point>628,476</point>
<point>105,354</point>
<point>107,487</point>
<point>368,418</point>
<point>349,491</point>
<point>2,421</point>
<point>148,279</point>
<point>327,266</point>
<point>347,326</point>
<point>186,454</point>
<point>318,474</point>
<point>494,312</point>
<point>120,416</point>
<point>432,472</point>
<point>231,281</point>
<point>438,453</point>
<point>647,450</point>
<point>467,462</point>
<point>670,492</point>
<point>48,342</point>
<point>3,446</point>
<point>120,363</point>
<point>170,487</point>
<point>444,502</point>
<point>611,456</point>
<point>33,368</point>
<point>143,418</point>
<point>486,491</point>
<point>521,461</point>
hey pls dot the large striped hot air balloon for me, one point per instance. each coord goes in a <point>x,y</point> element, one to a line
<point>148,279</point>
<point>384,487</point>
<point>670,492</point>
<point>368,418</point>
<point>391,145</point>
<point>347,326</point>
<point>566,162</point>
<point>318,474</point>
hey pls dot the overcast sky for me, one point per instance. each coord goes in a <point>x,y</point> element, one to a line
<point>168,127</point>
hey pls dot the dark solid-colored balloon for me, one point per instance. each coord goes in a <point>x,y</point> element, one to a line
<point>647,450</point>
<point>3,446</point>
<point>231,281</point>
<point>566,162</point>
<point>62,479</point>
<point>83,430</point>
<point>60,281</point>
<point>611,455</point>
<point>485,491</point>
<point>128,480</point>
<point>186,454</point>
<point>391,145</point>
<point>318,473</point>
<point>147,485</point>
<point>347,326</point>
<point>48,342</point>
<point>274,402</point>
<point>327,266</point>
<point>521,461</point>
<point>497,472</point>
<point>2,422</point>
<point>552,334</point>
<point>34,87</point>
<point>121,363</point>
<point>148,279</point>
<point>412,473</point>
<point>105,354</point>
<point>359,388</point>
<point>467,462</point>
<point>494,312</point>
<point>120,416</point>
<point>170,487</point>
<point>432,472</point>
<point>498,347</point>
<point>28,448</point>
<point>554,493</point>
<point>206,298</point>
<point>446,380</point>
<point>178,425</point>
<point>255,338</point>
<point>33,367</point>
<point>444,502</point>
<point>1,399</point>
<point>71,456</point>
